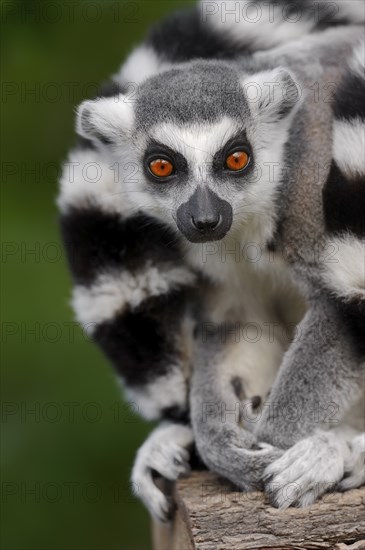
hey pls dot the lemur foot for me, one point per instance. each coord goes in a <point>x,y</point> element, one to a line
<point>254,463</point>
<point>165,452</point>
<point>355,466</point>
<point>234,453</point>
<point>307,470</point>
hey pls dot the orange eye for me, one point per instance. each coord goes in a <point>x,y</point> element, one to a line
<point>237,161</point>
<point>161,168</point>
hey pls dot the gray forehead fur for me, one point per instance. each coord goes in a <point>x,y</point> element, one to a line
<point>177,95</point>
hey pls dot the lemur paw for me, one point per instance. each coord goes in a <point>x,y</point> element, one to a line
<point>166,453</point>
<point>355,466</point>
<point>307,470</point>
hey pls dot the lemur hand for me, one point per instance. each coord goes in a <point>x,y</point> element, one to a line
<point>165,452</point>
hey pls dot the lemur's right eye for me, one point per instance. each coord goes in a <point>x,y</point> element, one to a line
<point>161,168</point>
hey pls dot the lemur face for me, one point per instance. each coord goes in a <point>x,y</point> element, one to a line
<point>205,140</point>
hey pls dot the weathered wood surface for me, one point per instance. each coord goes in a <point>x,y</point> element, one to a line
<point>212,515</point>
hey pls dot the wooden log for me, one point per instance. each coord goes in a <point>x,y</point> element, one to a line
<point>213,515</point>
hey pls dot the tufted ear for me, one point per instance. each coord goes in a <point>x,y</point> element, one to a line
<point>105,121</point>
<point>272,95</point>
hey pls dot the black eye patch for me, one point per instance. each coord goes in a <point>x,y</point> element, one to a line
<point>236,143</point>
<point>159,150</point>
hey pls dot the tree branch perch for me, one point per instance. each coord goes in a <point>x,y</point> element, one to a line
<point>213,515</point>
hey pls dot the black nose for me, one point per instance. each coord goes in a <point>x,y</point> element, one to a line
<point>204,216</point>
<point>208,223</point>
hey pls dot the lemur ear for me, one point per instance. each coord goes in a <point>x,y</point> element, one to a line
<point>105,120</point>
<point>272,94</point>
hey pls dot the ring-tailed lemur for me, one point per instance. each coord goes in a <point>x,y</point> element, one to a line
<point>137,281</point>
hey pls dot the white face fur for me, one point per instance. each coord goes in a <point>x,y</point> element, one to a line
<point>225,169</point>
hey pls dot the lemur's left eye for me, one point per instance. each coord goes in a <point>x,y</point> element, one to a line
<point>237,161</point>
<point>161,168</point>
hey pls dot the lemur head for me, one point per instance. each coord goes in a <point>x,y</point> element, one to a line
<point>205,140</point>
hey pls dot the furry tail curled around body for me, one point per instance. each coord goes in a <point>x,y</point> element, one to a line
<point>131,287</point>
<point>263,25</point>
<point>344,200</point>
<point>223,29</point>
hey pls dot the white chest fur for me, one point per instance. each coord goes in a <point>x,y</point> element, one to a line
<point>255,307</point>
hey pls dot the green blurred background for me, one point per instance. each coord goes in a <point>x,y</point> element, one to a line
<point>68,440</point>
